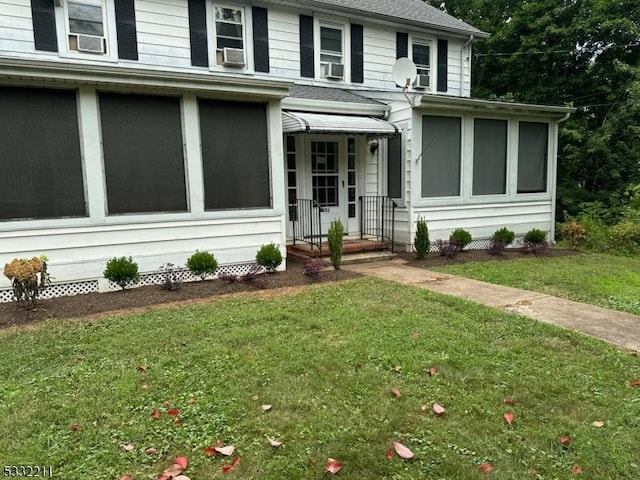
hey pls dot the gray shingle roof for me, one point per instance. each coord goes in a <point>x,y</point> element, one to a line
<point>415,12</point>
<point>329,94</point>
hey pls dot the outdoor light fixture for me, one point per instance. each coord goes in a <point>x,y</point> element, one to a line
<point>373,147</point>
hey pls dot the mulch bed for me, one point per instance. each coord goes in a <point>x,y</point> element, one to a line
<point>142,298</point>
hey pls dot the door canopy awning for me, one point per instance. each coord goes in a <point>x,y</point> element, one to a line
<point>302,122</point>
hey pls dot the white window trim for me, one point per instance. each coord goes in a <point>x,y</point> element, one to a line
<point>431,42</point>
<point>340,24</point>
<point>109,26</point>
<point>247,37</point>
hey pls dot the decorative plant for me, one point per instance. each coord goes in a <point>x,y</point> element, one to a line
<point>574,233</point>
<point>122,271</point>
<point>254,270</point>
<point>28,277</point>
<point>460,238</point>
<point>202,264</point>
<point>313,267</point>
<point>421,241</point>
<point>228,277</point>
<point>535,240</point>
<point>447,249</point>
<point>500,240</point>
<point>269,257</point>
<point>170,277</point>
<point>334,238</point>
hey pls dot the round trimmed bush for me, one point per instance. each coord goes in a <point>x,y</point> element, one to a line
<point>535,237</point>
<point>503,235</point>
<point>122,271</point>
<point>202,264</point>
<point>460,238</point>
<point>269,257</point>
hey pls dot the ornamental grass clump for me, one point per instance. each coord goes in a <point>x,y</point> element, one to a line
<point>28,277</point>
<point>122,271</point>
<point>202,264</point>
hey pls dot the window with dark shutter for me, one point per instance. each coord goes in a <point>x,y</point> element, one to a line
<point>357,58</point>
<point>198,33</point>
<point>443,61</point>
<point>235,154</point>
<point>143,155</point>
<point>44,25</point>
<point>402,45</point>
<point>126,29</point>
<point>40,147</point>
<point>307,60</point>
<point>260,39</point>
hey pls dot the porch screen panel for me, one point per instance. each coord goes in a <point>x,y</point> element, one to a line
<point>441,150</point>
<point>489,157</point>
<point>40,154</point>
<point>533,147</point>
<point>394,167</point>
<point>143,155</point>
<point>235,154</point>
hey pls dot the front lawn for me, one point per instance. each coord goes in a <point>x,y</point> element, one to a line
<point>81,396</point>
<point>604,280</point>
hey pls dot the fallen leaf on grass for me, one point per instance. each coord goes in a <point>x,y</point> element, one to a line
<point>508,417</point>
<point>192,401</point>
<point>127,447</point>
<point>234,464</point>
<point>166,404</point>
<point>274,443</point>
<point>598,424</point>
<point>156,413</point>
<point>635,383</point>
<point>75,427</point>
<point>182,461</point>
<point>255,397</point>
<point>397,368</point>
<point>173,471</point>
<point>485,468</point>
<point>438,409</point>
<point>390,453</point>
<point>173,413</point>
<point>150,451</point>
<point>226,451</point>
<point>402,451</point>
<point>415,335</point>
<point>126,477</point>
<point>395,392</point>
<point>181,477</point>
<point>333,466</point>
<point>576,470</point>
<point>266,408</point>
<point>143,368</point>
<point>565,440</point>
<point>433,371</point>
<point>424,408</point>
<point>145,387</point>
<point>210,451</point>
<point>508,401</point>
<point>178,422</point>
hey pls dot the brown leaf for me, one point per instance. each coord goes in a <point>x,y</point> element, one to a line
<point>635,383</point>
<point>333,466</point>
<point>226,451</point>
<point>438,409</point>
<point>402,451</point>
<point>255,397</point>
<point>397,368</point>
<point>173,413</point>
<point>508,417</point>
<point>274,443</point>
<point>178,422</point>
<point>143,368</point>
<point>192,401</point>
<point>181,477</point>
<point>156,413</point>
<point>424,408</point>
<point>145,387</point>
<point>126,477</point>
<point>166,404</point>
<point>508,401</point>
<point>485,468</point>
<point>598,424</point>
<point>390,453</point>
<point>150,451</point>
<point>127,447</point>
<point>210,451</point>
<point>173,471</point>
<point>565,440</point>
<point>395,392</point>
<point>75,427</point>
<point>182,461</point>
<point>415,335</point>
<point>266,408</point>
<point>234,464</point>
<point>433,371</point>
<point>576,470</point>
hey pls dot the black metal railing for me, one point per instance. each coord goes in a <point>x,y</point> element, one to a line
<point>377,218</point>
<point>305,215</point>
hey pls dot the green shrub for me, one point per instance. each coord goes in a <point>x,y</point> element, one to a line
<point>202,264</point>
<point>500,240</point>
<point>597,233</point>
<point>122,271</point>
<point>421,242</point>
<point>573,233</point>
<point>624,238</point>
<point>334,238</point>
<point>460,238</point>
<point>269,257</point>
<point>535,241</point>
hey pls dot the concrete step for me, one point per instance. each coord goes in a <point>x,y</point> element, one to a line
<point>366,257</point>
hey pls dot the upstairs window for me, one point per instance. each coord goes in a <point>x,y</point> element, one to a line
<point>421,56</point>
<point>331,52</point>
<point>229,30</point>
<point>86,26</point>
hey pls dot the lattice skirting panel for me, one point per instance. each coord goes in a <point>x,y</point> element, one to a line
<point>152,278</point>
<point>484,244</point>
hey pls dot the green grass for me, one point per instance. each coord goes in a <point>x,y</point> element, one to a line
<point>325,359</point>
<point>604,280</point>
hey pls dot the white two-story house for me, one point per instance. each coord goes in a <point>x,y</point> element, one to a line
<point>152,128</point>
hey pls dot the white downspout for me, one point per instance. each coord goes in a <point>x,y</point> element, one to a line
<point>467,43</point>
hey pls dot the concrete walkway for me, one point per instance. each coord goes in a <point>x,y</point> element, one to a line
<point>621,329</point>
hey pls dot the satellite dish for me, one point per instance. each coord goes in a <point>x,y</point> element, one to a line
<point>404,72</point>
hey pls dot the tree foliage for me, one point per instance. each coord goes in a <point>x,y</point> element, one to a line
<point>582,53</point>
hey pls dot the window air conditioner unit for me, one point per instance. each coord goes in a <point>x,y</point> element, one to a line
<point>334,70</point>
<point>422,82</point>
<point>90,44</point>
<point>233,57</point>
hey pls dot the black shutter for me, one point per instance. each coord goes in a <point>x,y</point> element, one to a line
<point>126,29</point>
<point>198,33</point>
<point>443,54</point>
<point>43,17</point>
<point>307,60</point>
<point>402,45</point>
<point>260,39</point>
<point>357,59</point>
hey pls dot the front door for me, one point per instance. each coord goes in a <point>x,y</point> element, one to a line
<point>328,180</point>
